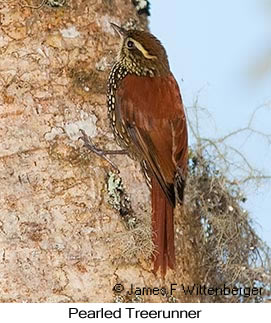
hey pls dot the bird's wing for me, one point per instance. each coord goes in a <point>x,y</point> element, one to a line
<point>153,115</point>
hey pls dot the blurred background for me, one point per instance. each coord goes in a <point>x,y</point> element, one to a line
<point>220,54</point>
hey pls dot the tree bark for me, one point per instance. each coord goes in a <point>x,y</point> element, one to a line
<point>61,236</point>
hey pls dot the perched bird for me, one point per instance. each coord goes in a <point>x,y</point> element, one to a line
<point>147,117</point>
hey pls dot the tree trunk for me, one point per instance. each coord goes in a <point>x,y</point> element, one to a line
<point>62,238</point>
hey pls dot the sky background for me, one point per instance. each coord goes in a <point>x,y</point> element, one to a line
<point>218,51</point>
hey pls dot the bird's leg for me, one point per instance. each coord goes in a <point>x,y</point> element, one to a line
<point>102,153</point>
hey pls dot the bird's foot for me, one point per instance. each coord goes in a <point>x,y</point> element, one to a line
<point>100,152</point>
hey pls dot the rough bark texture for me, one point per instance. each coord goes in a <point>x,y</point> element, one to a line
<point>60,239</point>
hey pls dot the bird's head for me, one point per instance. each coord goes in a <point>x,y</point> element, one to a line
<point>141,53</point>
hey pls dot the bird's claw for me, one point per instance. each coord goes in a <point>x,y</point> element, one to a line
<point>89,145</point>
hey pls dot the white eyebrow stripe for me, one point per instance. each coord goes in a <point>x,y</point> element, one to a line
<point>143,50</point>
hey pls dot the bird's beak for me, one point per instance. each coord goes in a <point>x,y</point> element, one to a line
<point>120,31</point>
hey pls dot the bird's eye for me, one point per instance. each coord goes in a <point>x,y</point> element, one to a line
<point>130,44</point>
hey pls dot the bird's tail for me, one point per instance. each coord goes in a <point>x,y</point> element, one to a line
<point>162,229</point>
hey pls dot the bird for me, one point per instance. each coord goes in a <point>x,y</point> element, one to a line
<point>147,117</point>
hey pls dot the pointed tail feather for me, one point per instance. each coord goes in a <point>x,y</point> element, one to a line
<point>163,229</point>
